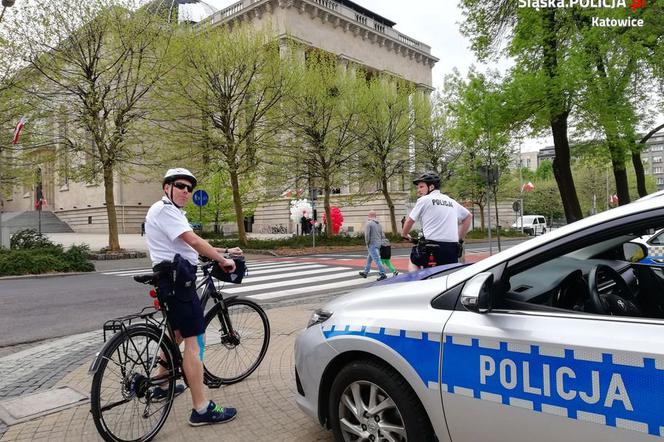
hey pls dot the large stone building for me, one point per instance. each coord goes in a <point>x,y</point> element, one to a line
<point>653,159</point>
<point>354,34</point>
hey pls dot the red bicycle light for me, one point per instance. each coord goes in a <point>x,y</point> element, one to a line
<point>156,304</point>
<point>153,294</point>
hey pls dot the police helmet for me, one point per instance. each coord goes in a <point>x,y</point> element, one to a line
<point>177,174</point>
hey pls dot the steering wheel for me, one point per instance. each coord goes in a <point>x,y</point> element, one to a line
<point>620,301</point>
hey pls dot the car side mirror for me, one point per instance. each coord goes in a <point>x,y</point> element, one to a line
<point>476,293</point>
<point>634,252</point>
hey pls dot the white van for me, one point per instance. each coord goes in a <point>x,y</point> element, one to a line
<point>532,224</point>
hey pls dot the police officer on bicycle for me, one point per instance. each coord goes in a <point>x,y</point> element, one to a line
<point>174,249</point>
<point>445,224</point>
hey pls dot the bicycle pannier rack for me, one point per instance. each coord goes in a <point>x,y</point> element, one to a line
<point>121,323</point>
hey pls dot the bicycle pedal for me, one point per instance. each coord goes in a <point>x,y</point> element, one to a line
<point>212,382</point>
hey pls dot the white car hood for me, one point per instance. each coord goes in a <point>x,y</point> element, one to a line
<point>410,293</point>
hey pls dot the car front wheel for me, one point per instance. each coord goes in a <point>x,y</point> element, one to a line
<point>371,402</point>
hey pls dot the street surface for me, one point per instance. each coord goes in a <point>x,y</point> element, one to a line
<point>50,326</point>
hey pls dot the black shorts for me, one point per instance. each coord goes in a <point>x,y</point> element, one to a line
<point>443,253</point>
<point>184,310</point>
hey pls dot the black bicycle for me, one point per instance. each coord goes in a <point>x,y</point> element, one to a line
<point>142,355</point>
<point>428,249</point>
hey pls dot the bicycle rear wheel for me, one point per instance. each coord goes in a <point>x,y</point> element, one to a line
<point>233,353</point>
<point>120,400</point>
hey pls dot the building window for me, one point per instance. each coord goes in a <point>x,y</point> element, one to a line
<point>657,169</point>
<point>657,148</point>
<point>656,159</point>
<point>660,181</point>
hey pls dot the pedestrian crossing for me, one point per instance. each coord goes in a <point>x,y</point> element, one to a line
<point>279,279</point>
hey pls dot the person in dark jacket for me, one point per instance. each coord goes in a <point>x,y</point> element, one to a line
<point>373,238</point>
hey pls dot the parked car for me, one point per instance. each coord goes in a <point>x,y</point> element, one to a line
<point>557,338</point>
<point>532,224</point>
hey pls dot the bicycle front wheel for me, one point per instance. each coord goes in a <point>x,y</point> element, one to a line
<point>131,366</point>
<point>236,343</point>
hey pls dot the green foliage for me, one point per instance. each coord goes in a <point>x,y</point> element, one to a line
<point>224,95</point>
<point>484,233</point>
<point>294,242</point>
<point>31,239</point>
<point>543,200</point>
<point>38,260</point>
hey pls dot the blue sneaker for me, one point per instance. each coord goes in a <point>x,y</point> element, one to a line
<point>214,415</point>
<point>159,394</point>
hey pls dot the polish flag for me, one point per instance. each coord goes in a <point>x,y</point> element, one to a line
<point>17,130</point>
<point>613,199</point>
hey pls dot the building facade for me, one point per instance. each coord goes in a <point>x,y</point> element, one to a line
<point>356,35</point>
<point>653,159</point>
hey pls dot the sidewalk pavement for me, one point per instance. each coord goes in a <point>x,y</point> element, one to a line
<point>97,241</point>
<point>266,401</point>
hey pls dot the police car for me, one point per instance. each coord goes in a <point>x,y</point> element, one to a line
<point>655,245</point>
<point>557,338</point>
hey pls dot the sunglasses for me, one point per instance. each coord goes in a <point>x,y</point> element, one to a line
<point>183,186</point>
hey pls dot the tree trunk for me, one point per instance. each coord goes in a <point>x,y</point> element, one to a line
<point>495,205</point>
<point>620,176</point>
<point>482,220</point>
<point>113,239</point>
<point>390,204</point>
<point>558,115</point>
<point>640,173</point>
<point>326,206</point>
<point>618,164</point>
<point>237,206</point>
<point>563,171</point>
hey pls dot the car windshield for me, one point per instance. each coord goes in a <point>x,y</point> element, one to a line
<point>618,274</point>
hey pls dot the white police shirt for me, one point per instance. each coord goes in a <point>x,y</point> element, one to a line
<point>440,216</point>
<point>164,223</point>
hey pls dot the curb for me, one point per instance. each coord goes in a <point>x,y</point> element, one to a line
<point>45,275</point>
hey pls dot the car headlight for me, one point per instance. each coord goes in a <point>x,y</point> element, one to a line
<point>318,317</point>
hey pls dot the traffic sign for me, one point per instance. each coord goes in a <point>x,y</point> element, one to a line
<point>200,198</point>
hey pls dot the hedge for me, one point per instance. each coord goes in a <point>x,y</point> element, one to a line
<point>33,253</point>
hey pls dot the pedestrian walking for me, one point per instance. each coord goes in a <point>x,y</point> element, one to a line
<point>373,238</point>
<point>386,254</point>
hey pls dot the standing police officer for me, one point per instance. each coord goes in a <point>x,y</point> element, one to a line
<point>173,244</point>
<point>445,223</point>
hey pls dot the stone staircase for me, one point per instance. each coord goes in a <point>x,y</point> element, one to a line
<point>50,223</point>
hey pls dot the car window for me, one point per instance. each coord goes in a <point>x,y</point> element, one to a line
<point>657,239</point>
<point>542,220</point>
<point>610,275</point>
